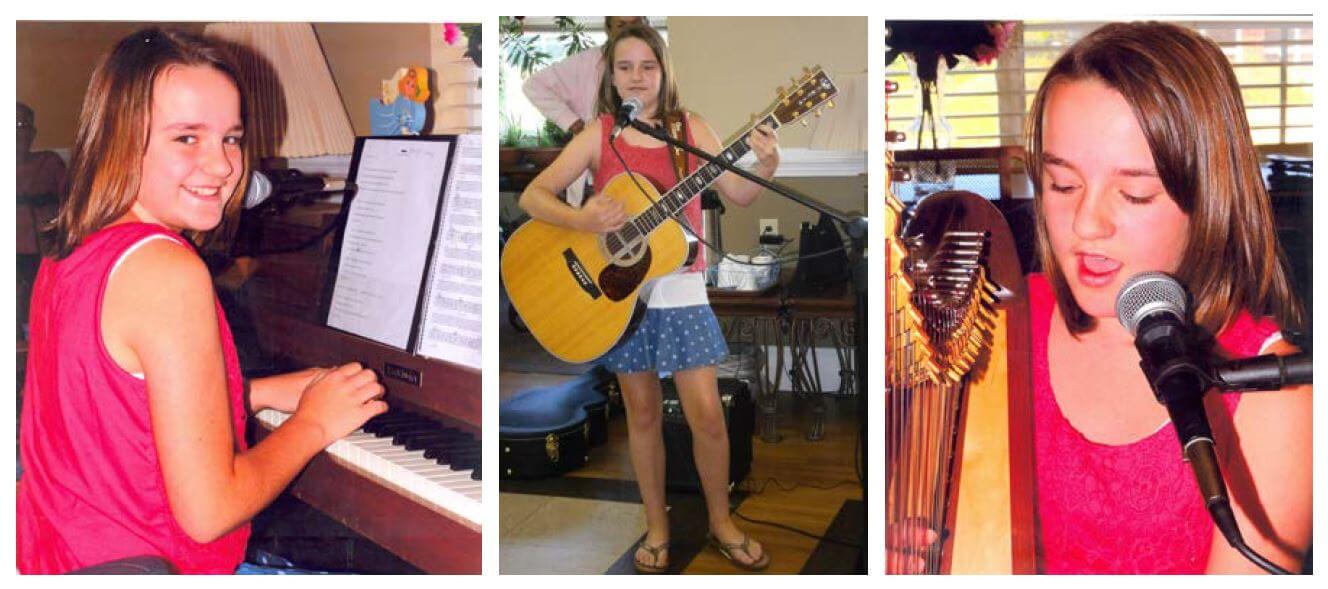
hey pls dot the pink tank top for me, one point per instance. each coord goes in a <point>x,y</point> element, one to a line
<point>92,488</point>
<point>655,163</point>
<point>1121,509</point>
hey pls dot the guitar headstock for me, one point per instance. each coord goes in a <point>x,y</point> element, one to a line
<point>815,91</point>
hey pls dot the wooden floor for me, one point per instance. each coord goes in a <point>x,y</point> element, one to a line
<point>794,482</point>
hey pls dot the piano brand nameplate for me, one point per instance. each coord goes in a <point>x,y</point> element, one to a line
<point>401,373</point>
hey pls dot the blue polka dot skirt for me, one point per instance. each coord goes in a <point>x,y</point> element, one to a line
<point>669,340</point>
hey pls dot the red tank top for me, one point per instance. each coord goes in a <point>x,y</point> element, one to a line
<point>655,163</point>
<point>1124,509</point>
<point>92,488</point>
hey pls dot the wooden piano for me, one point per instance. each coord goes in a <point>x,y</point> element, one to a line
<point>422,508</point>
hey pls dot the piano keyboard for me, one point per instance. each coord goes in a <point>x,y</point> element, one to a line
<point>435,465</point>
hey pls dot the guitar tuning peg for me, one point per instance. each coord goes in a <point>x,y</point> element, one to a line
<point>820,111</point>
<point>805,123</point>
<point>830,103</point>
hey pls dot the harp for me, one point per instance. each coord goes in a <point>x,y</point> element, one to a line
<point>959,452</point>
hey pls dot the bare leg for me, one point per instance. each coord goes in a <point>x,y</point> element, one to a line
<point>643,398</point>
<point>698,389</point>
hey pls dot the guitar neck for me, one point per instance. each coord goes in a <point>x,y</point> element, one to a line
<point>673,201</point>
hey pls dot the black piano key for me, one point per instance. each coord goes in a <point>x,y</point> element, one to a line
<point>389,419</point>
<point>408,432</point>
<point>420,425</point>
<point>447,455</point>
<point>469,462</point>
<point>462,460</point>
<point>424,441</point>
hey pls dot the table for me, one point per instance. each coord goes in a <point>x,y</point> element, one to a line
<point>775,320</point>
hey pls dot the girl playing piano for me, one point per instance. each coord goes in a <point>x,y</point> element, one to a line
<point>679,333</point>
<point>132,431</point>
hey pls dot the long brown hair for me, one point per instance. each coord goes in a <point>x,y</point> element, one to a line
<point>106,162</point>
<point>1187,100</point>
<point>668,101</point>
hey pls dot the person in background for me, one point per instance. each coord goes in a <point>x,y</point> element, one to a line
<point>41,184</point>
<point>567,92</point>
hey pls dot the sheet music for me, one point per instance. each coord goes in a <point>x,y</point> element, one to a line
<point>451,325</point>
<point>385,245</point>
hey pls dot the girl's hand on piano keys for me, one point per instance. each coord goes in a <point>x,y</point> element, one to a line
<point>339,400</point>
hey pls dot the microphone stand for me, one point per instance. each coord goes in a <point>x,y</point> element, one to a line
<point>249,235</point>
<point>855,226</point>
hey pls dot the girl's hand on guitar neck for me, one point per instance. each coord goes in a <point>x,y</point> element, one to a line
<point>765,144</point>
<point>601,214</point>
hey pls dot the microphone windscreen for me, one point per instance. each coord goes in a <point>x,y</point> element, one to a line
<point>1147,293</point>
<point>260,188</point>
<point>631,106</point>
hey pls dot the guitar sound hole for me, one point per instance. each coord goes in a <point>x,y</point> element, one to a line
<point>629,253</point>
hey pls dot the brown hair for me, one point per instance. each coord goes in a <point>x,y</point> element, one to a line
<point>1186,99</point>
<point>668,101</point>
<point>106,161</point>
<point>644,20</point>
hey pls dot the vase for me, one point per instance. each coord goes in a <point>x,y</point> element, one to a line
<point>930,130</point>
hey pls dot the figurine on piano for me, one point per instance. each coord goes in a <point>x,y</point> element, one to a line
<point>132,430</point>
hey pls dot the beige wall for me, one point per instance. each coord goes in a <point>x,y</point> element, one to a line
<point>361,56</point>
<point>55,61</point>
<point>729,69</point>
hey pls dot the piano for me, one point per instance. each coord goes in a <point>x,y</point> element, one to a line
<point>409,481</point>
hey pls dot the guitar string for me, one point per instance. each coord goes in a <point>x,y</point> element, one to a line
<point>779,261</point>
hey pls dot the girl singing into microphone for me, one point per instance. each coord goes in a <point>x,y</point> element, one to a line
<point>132,431</point>
<point>679,333</point>
<point>1142,160</point>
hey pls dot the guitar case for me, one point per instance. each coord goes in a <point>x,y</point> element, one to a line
<point>549,430</point>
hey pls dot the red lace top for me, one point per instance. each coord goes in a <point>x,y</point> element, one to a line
<point>655,163</point>
<point>92,488</point>
<point>1124,509</point>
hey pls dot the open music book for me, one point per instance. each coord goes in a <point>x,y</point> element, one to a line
<point>406,267</point>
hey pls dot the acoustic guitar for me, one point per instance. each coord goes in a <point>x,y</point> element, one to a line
<point>577,291</point>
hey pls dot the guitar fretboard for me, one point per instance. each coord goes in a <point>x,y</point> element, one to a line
<point>673,201</point>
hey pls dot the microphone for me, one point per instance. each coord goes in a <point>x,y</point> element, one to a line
<point>1268,372</point>
<point>1151,305</point>
<point>627,112</point>
<point>287,185</point>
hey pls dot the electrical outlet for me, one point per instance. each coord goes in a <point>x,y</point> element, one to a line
<point>768,226</point>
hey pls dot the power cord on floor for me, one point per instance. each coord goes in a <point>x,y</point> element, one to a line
<point>751,487</point>
<point>761,522</point>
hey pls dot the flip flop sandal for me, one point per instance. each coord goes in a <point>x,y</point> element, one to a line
<point>745,546</point>
<point>654,568</point>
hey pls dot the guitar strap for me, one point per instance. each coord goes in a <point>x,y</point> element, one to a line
<point>676,124</point>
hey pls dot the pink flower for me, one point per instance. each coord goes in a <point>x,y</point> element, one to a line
<point>1001,34</point>
<point>451,32</point>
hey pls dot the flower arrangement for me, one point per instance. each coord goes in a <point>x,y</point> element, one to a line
<point>928,41</point>
<point>926,44</point>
